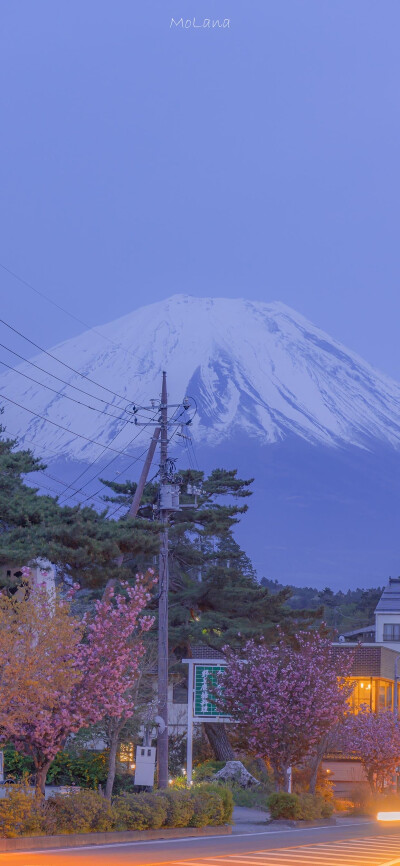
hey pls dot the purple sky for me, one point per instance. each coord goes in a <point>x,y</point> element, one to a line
<point>262,160</point>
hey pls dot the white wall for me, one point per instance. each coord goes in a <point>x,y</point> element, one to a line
<point>380,620</point>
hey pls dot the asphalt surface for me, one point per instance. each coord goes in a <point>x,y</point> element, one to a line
<point>349,843</point>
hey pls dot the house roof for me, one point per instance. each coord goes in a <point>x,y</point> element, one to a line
<point>366,629</point>
<point>389,601</point>
<point>200,651</point>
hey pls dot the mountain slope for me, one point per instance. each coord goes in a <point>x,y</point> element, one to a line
<point>253,368</point>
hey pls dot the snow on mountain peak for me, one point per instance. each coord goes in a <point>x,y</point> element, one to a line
<point>254,367</point>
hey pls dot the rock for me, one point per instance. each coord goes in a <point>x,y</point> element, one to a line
<point>234,771</point>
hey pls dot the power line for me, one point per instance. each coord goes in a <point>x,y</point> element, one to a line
<point>71,432</point>
<point>59,307</point>
<point>63,396</point>
<point>113,459</point>
<point>68,366</point>
<point>42,486</point>
<point>64,310</point>
<point>81,474</point>
<point>53,477</point>
<point>123,504</point>
<point>64,484</point>
<point>47,372</point>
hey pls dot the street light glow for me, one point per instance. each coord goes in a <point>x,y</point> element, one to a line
<point>388,816</point>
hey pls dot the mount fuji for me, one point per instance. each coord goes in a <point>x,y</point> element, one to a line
<point>317,427</point>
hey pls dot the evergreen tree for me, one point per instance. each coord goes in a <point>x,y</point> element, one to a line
<point>22,512</point>
<point>83,543</point>
<point>215,598</point>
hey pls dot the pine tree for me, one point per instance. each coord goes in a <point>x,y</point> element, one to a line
<point>215,598</point>
<point>83,543</point>
<point>22,512</point>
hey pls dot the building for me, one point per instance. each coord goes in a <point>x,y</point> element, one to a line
<point>41,572</point>
<point>375,671</point>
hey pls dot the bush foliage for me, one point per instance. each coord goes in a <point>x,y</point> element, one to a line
<point>24,814</point>
<point>299,807</point>
<point>208,808</point>
<point>21,812</point>
<point>77,812</point>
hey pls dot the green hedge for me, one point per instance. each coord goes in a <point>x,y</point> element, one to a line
<point>22,813</point>
<point>299,807</point>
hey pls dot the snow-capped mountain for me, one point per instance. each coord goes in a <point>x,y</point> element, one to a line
<point>253,368</point>
<point>278,399</point>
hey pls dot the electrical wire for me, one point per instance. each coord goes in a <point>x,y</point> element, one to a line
<point>42,486</point>
<point>68,366</point>
<point>64,310</point>
<point>52,477</point>
<point>60,394</point>
<point>71,432</point>
<point>59,307</point>
<point>47,372</point>
<point>110,462</point>
<point>81,474</point>
<point>68,384</point>
<point>93,496</point>
<point>65,484</point>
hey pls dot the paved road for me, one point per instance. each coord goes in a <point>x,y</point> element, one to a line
<point>350,844</point>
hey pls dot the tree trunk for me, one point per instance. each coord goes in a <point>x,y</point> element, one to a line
<point>112,759</point>
<point>281,778</point>
<point>371,780</point>
<point>41,773</point>
<point>313,778</point>
<point>219,742</point>
<point>262,768</point>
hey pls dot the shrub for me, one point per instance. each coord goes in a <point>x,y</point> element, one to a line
<point>313,806</point>
<point>208,809</point>
<point>254,798</point>
<point>83,811</point>
<point>222,791</point>
<point>180,808</point>
<point>342,805</point>
<point>367,804</point>
<point>299,807</point>
<point>140,811</point>
<point>206,770</point>
<point>283,805</point>
<point>21,812</point>
<point>361,797</point>
<point>179,782</point>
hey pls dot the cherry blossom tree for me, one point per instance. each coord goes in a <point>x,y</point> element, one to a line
<point>115,650</point>
<point>69,674</point>
<point>374,738</point>
<point>286,697</point>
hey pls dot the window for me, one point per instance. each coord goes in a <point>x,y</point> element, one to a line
<point>391,631</point>
<point>126,753</point>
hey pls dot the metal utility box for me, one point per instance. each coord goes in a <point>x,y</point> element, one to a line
<point>145,765</point>
<point>169,497</point>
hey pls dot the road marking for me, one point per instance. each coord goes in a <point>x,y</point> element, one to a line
<point>367,851</point>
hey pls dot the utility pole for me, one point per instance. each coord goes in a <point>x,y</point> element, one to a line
<point>142,481</point>
<point>168,502</point>
<point>162,739</point>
